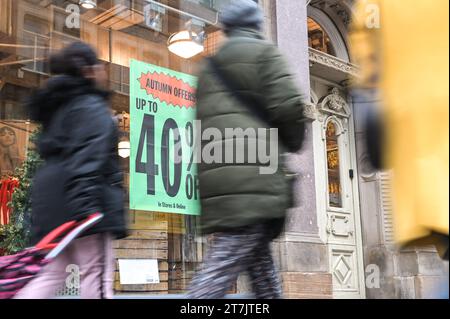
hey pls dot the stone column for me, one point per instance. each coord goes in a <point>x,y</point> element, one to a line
<point>302,256</point>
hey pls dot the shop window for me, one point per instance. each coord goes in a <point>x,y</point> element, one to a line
<point>119,77</point>
<point>214,4</point>
<point>210,4</point>
<point>15,129</point>
<point>35,25</point>
<point>333,165</point>
<point>205,3</point>
<point>119,33</point>
<point>318,39</point>
<point>12,106</point>
<point>36,43</point>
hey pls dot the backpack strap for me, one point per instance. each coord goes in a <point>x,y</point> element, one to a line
<point>229,84</point>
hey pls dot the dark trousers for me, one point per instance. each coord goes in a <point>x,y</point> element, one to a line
<point>246,249</point>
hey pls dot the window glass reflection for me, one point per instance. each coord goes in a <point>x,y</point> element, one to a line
<point>318,38</point>
<point>333,163</point>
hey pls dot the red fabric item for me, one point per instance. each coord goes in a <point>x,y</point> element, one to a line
<point>3,189</point>
<point>6,191</point>
<point>12,186</point>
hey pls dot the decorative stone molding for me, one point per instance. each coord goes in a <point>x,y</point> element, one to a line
<point>310,111</point>
<point>335,104</point>
<point>338,225</point>
<point>301,237</point>
<point>366,171</point>
<point>316,56</point>
<point>339,7</point>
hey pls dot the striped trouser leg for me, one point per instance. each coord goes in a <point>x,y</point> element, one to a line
<point>263,274</point>
<point>229,254</point>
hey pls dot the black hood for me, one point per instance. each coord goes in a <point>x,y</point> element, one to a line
<point>59,91</point>
<point>44,103</point>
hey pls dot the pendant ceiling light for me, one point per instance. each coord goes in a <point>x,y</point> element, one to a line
<point>124,149</point>
<point>88,4</point>
<point>186,44</point>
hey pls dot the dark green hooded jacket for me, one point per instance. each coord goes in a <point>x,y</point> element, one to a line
<point>237,194</point>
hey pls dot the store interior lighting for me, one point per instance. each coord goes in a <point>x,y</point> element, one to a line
<point>187,43</point>
<point>88,4</point>
<point>124,149</point>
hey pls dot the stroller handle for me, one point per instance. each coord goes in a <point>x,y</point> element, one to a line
<point>72,230</point>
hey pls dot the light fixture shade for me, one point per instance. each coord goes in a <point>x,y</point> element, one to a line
<point>183,44</point>
<point>124,149</point>
<point>88,4</point>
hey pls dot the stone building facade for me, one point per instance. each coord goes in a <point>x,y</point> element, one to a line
<point>338,241</point>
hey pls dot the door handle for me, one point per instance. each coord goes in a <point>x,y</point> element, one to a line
<point>351,173</point>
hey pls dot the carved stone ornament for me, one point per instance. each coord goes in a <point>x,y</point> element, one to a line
<point>310,111</point>
<point>335,104</point>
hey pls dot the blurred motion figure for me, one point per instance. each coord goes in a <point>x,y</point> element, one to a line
<point>402,47</point>
<point>81,174</point>
<point>247,84</point>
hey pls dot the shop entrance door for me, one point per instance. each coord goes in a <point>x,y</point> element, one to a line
<point>342,224</point>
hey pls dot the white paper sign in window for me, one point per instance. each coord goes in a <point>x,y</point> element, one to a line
<point>138,271</point>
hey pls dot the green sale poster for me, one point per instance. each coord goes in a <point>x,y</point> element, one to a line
<point>163,174</point>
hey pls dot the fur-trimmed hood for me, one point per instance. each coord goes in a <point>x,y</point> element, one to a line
<point>59,91</point>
